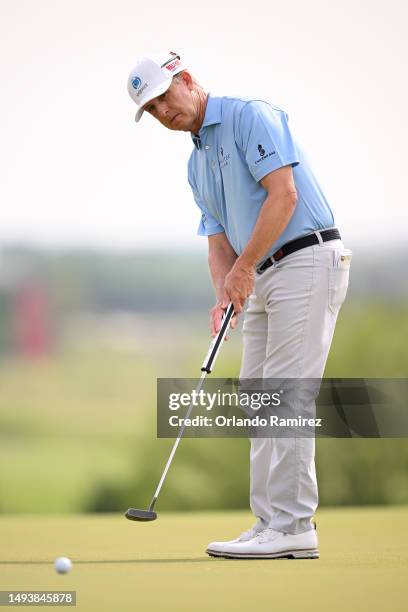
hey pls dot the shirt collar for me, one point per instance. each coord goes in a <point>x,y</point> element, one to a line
<point>213,114</point>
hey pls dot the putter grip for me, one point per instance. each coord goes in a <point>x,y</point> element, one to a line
<point>216,343</point>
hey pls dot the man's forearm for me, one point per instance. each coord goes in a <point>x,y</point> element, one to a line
<point>220,262</point>
<point>273,218</point>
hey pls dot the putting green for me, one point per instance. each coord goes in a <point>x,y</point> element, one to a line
<point>121,566</point>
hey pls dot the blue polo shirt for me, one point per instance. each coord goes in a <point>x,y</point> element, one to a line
<point>239,143</point>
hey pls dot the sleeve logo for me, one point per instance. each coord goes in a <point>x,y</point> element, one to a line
<point>263,154</point>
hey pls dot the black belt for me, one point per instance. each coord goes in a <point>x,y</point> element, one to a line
<point>296,245</point>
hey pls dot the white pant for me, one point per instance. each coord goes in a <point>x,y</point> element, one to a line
<point>287,332</point>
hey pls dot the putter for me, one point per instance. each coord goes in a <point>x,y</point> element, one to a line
<point>133,514</point>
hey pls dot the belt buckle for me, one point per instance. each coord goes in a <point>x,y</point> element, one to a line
<point>265,265</point>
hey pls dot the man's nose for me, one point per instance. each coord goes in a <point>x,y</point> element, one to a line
<point>162,110</point>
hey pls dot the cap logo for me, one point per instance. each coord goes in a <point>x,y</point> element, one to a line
<point>173,65</point>
<point>136,82</point>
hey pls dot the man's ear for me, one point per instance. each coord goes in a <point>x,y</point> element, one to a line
<point>187,79</point>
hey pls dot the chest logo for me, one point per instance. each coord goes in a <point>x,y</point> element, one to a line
<point>224,159</point>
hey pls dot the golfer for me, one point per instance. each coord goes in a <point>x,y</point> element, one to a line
<point>273,250</point>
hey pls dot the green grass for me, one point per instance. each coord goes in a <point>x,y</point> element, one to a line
<point>370,341</point>
<point>162,566</point>
<point>56,474</point>
<point>75,426</point>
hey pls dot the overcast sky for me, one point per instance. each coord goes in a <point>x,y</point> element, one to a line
<point>76,170</point>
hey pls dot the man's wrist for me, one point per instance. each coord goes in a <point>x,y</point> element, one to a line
<point>246,261</point>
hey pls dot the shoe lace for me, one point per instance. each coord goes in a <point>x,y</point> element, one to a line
<point>266,535</point>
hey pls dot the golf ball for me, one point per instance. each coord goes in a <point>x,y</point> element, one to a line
<point>63,565</point>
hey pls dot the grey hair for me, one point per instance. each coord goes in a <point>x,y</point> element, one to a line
<point>179,75</point>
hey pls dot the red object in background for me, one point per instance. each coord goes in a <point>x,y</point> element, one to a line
<point>32,321</point>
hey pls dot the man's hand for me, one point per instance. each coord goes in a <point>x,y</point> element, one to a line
<point>216,314</point>
<point>238,285</point>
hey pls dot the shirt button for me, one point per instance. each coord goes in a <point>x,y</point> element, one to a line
<point>207,147</point>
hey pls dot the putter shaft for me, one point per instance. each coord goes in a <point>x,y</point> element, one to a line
<point>148,515</point>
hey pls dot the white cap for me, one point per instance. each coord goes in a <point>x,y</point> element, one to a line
<point>151,77</point>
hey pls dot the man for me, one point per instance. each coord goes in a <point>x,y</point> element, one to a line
<point>271,239</point>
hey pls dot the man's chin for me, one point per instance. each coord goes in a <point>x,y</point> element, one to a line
<point>180,124</point>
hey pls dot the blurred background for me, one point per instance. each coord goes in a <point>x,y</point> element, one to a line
<point>103,283</point>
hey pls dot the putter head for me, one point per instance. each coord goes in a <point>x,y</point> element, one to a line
<point>140,515</point>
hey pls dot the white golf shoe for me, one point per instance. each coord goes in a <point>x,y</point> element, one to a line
<point>217,548</point>
<point>269,544</point>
